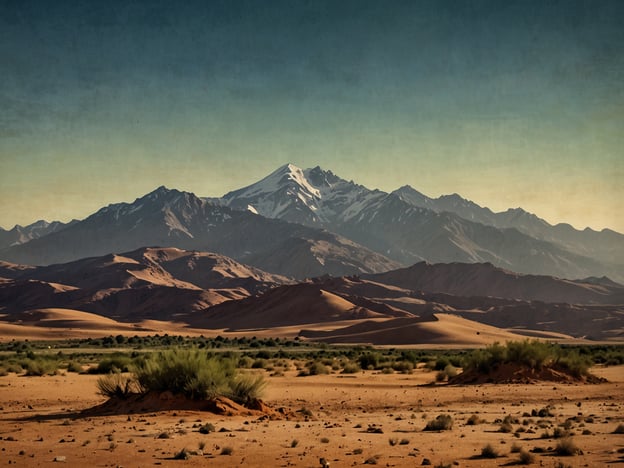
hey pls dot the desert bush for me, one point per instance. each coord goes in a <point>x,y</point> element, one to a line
<point>74,366</point>
<point>404,367</point>
<point>559,433</point>
<point>533,354</point>
<point>314,368</point>
<point>474,420</point>
<point>14,367</point>
<point>246,387</point>
<point>566,447</point>
<point>259,364</point>
<point>207,428</point>
<point>515,448</point>
<point>113,363</point>
<point>193,373</point>
<point>574,363</point>
<point>370,360</point>
<point>182,455</point>
<point>245,362</point>
<point>116,385</point>
<point>505,427</point>
<point>442,422</point>
<point>489,452</point>
<point>526,458</point>
<point>40,366</point>
<point>351,368</point>
<point>450,371</point>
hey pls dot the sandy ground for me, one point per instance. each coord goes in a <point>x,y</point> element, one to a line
<point>358,418</point>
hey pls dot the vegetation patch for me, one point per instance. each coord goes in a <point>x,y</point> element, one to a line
<point>168,379</point>
<point>442,422</point>
<point>525,361</point>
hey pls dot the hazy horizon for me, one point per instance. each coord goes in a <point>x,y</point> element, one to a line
<point>508,104</point>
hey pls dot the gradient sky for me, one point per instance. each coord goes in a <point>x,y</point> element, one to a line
<point>508,103</point>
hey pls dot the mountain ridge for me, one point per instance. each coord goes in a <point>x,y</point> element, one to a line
<point>331,225</point>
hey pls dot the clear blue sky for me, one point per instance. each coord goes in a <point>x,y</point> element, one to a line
<point>508,103</point>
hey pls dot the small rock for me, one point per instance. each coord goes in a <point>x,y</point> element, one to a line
<point>60,458</point>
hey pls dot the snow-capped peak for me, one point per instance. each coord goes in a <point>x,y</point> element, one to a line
<point>312,196</point>
<point>286,175</point>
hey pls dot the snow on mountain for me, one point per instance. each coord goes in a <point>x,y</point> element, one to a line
<point>408,226</point>
<point>22,234</point>
<point>284,194</point>
<point>313,197</point>
<point>311,215</point>
<point>171,218</point>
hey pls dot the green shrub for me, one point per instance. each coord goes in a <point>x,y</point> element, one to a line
<point>404,367</point>
<point>350,368</point>
<point>442,422</point>
<point>441,363</point>
<point>188,372</point>
<point>116,385</point>
<point>245,362</point>
<point>74,366</point>
<point>195,374</point>
<point>450,371</point>
<point>41,366</point>
<point>317,368</point>
<point>113,363</point>
<point>245,388</point>
<point>574,363</point>
<point>370,360</point>
<point>533,354</point>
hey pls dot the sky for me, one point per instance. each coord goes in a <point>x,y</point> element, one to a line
<point>508,103</point>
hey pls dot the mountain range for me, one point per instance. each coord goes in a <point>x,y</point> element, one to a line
<point>207,291</point>
<point>408,226</point>
<point>311,254</point>
<point>306,223</point>
<point>147,283</point>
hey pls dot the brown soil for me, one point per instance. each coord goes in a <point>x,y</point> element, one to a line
<point>166,401</point>
<point>348,420</point>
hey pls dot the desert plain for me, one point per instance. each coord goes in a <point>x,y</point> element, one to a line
<point>366,418</point>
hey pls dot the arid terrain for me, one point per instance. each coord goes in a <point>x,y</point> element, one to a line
<point>350,420</point>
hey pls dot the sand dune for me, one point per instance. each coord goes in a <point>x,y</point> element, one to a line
<point>283,306</point>
<point>440,329</point>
